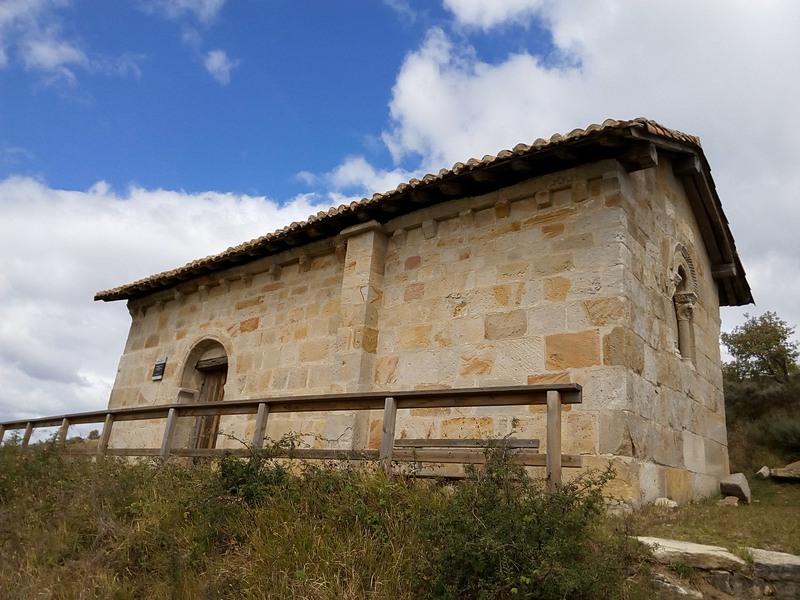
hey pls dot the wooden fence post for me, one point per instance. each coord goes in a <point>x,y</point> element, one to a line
<point>2,433</point>
<point>105,437</point>
<point>387,432</point>
<point>169,433</point>
<point>27,437</point>
<point>261,426</point>
<point>553,459</point>
<point>62,431</point>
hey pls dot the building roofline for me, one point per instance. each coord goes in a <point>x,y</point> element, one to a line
<point>633,143</point>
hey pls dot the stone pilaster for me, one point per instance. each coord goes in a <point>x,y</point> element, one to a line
<point>361,298</point>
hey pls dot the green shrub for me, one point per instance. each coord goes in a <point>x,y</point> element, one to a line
<point>258,529</point>
<point>503,535</point>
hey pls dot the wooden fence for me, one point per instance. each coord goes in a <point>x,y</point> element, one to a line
<point>551,395</point>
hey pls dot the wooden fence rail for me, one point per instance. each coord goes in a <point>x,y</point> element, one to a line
<point>551,395</point>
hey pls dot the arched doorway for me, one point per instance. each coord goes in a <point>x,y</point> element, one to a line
<point>206,371</point>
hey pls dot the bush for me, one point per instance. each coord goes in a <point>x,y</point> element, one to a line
<point>503,535</point>
<point>763,420</point>
<point>258,529</point>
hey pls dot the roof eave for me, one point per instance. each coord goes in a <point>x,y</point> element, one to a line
<point>633,143</point>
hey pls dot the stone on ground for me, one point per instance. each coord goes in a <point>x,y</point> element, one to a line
<point>736,484</point>
<point>700,556</point>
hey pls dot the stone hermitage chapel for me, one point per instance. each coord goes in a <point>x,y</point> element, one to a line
<point>600,257</point>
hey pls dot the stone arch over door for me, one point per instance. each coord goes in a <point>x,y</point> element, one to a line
<point>205,373</point>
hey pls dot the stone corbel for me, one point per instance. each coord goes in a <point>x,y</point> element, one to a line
<point>341,251</point>
<point>429,227</point>
<point>640,156</point>
<point>502,209</point>
<point>580,191</point>
<point>349,232</point>
<point>543,199</point>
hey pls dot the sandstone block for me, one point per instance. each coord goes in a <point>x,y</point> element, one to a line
<point>553,264</point>
<point>249,325</point>
<point>605,311</point>
<point>550,217</point>
<point>414,291</point>
<point>556,289</point>
<point>315,350</point>
<point>468,427</point>
<point>418,336</point>
<point>502,294</point>
<point>578,432</point>
<point>623,347</point>
<point>572,350</point>
<point>677,484</point>
<point>716,458</point>
<point>694,454</point>
<point>547,319</point>
<point>514,359</point>
<point>505,325</point>
<point>477,361</point>
<point>543,378</point>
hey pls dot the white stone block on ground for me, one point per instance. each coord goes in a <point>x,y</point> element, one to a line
<point>776,566</point>
<point>700,556</point>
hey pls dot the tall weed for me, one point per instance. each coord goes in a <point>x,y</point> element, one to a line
<point>257,528</point>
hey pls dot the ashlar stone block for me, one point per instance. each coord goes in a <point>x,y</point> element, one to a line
<point>572,350</point>
<point>505,325</point>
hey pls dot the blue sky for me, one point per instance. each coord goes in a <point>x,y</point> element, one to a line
<point>137,135</point>
<point>239,99</point>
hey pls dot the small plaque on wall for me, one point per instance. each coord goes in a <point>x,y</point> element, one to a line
<point>158,369</point>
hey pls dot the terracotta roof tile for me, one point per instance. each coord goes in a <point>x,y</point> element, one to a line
<point>167,278</point>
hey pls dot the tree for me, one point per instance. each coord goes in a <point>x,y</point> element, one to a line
<point>762,348</point>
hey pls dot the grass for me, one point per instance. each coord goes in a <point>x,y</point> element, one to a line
<point>770,522</point>
<point>256,529</point>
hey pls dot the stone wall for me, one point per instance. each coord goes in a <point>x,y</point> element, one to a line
<point>567,277</point>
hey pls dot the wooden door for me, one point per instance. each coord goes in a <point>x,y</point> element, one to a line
<point>212,390</point>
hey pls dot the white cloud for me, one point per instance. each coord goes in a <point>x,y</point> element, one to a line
<point>31,33</point>
<point>58,348</point>
<point>220,66</point>
<point>447,105</point>
<point>49,53</point>
<point>486,14</point>
<point>358,175</point>
<point>403,9</point>
<point>728,74</point>
<point>205,11</point>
